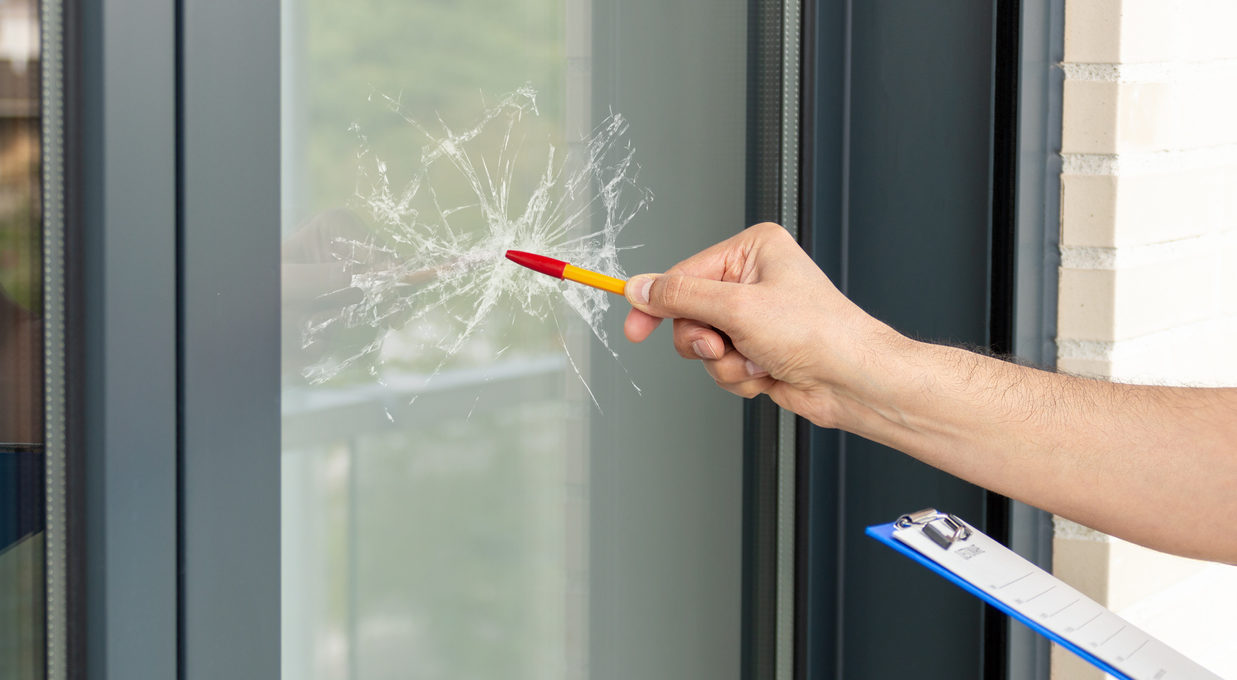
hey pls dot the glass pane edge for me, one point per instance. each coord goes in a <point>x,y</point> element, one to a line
<point>786,447</point>
<point>56,582</point>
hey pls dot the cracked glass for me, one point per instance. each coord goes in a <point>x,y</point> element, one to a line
<point>481,477</point>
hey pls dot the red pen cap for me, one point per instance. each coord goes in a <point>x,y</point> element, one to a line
<point>538,263</point>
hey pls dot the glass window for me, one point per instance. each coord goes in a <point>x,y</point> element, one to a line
<point>22,617</point>
<point>481,477</point>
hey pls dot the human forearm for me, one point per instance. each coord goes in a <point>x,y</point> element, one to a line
<point>1154,465</point>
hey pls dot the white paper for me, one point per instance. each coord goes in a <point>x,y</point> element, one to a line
<point>1052,603</point>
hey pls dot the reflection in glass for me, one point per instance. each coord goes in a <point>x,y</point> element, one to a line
<point>473,485</point>
<point>22,618</point>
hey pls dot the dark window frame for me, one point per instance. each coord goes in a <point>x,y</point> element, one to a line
<point>166,555</point>
<point>1022,230</point>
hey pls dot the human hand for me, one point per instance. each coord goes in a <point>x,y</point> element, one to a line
<point>316,265</point>
<point>319,262</point>
<point>763,318</point>
<point>343,284</point>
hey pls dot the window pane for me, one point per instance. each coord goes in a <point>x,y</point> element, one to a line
<point>22,511</point>
<point>474,485</point>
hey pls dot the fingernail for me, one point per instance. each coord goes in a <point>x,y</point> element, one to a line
<point>640,289</point>
<point>753,369</point>
<point>702,349</point>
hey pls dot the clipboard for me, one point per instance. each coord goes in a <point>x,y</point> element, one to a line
<point>995,574</point>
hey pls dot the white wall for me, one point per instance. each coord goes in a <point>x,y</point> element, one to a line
<point>1148,282</point>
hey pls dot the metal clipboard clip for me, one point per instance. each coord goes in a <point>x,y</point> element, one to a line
<point>944,529</point>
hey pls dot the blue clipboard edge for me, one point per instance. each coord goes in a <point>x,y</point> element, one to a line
<point>884,534</point>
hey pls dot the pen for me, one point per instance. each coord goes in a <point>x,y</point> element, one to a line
<point>559,269</point>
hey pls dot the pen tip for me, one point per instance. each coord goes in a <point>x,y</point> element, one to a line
<point>539,263</point>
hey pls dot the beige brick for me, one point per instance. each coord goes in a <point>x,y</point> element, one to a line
<point>1107,305</point>
<point>1136,573</point>
<point>1109,117</point>
<point>1183,30</point>
<point>1067,665</point>
<point>1160,296</point>
<point>1146,117</point>
<point>1088,210</point>
<point>1143,31</point>
<point>1226,286</point>
<point>1086,307</point>
<point>1105,117</point>
<point>1083,564</point>
<point>1129,210</point>
<point>1171,206</point>
<point>1093,31</point>
<point>1203,361</point>
<point>1087,368</point>
<point>1166,116</point>
<point>1196,354</point>
<point>1089,117</point>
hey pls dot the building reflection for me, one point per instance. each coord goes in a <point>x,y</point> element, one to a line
<point>22,510</point>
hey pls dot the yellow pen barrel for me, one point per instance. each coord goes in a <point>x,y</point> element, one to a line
<point>588,278</point>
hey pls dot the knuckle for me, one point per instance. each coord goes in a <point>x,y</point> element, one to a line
<point>768,227</point>
<point>743,388</point>
<point>747,390</point>
<point>674,290</point>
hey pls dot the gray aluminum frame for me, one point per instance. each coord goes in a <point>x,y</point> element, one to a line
<point>1036,260</point>
<point>229,201</point>
<point>173,197</point>
<point>121,227</point>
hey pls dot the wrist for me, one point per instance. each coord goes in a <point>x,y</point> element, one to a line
<point>892,372</point>
<point>862,390</point>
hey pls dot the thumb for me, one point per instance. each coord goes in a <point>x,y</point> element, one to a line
<point>678,296</point>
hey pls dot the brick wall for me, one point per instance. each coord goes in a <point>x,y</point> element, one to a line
<point>1148,281</point>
